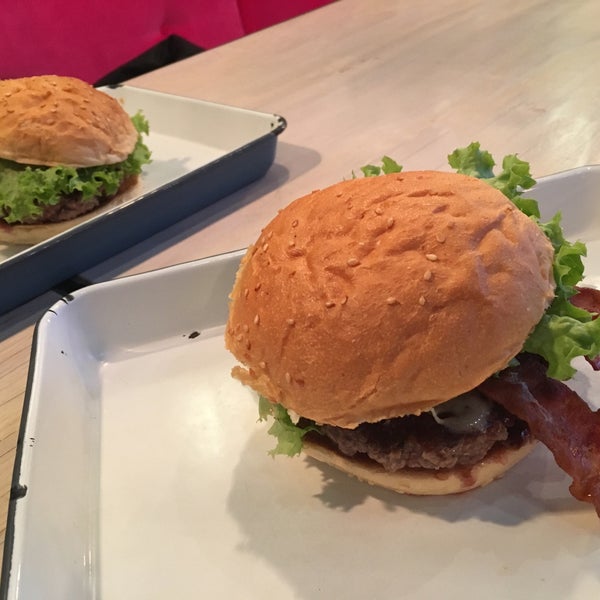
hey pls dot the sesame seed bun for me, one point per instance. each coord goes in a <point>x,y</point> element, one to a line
<point>385,296</point>
<point>50,120</point>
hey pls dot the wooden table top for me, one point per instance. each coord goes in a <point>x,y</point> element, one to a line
<point>356,81</point>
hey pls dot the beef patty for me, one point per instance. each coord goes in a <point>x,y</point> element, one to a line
<point>420,442</point>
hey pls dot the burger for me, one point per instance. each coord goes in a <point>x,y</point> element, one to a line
<point>66,149</point>
<point>413,329</point>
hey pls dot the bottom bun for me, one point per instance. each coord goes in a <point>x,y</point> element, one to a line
<point>421,482</point>
<point>28,235</point>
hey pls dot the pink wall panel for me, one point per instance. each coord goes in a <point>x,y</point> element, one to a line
<point>87,39</point>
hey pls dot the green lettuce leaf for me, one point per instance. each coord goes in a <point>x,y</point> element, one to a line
<point>565,331</point>
<point>560,339</point>
<point>289,435</point>
<point>26,189</point>
<point>514,178</point>
<point>388,165</point>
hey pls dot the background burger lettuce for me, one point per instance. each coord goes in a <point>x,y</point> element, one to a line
<point>564,332</point>
<point>26,189</point>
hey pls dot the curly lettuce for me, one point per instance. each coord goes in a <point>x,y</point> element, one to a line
<point>289,434</point>
<point>26,189</point>
<point>388,165</point>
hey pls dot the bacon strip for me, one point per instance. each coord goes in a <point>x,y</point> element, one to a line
<point>557,417</point>
<point>588,299</point>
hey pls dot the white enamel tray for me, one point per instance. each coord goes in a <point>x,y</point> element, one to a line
<point>143,473</point>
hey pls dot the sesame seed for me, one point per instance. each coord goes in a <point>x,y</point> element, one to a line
<point>390,223</point>
<point>427,275</point>
<point>239,337</point>
<point>379,211</point>
<point>262,364</point>
<point>431,257</point>
<point>292,243</point>
<point>440,237</point>
<point>290,322</point>
<point>257,286</point>
<point>329,303</point>
<point>422,300</point>
<point>269,235</point>
<point>245,328</point>
<point>265,247</point>
<point>288,377</point>
<point>246,292</point>
<point>256,319</point>
<point>353,262</point>
<point>391,300</point>
<point>344,300</point>
<point>295,223</point>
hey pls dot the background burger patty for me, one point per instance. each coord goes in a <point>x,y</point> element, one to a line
<point>72,205</point>
<point>420,442</point>
<point>68,207</point>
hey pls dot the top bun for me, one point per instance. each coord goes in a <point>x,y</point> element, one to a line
<point>384,296</point>
<point>50,120</point>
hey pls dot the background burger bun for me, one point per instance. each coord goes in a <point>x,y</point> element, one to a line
<point>50,120</point>
<point>385,296</point>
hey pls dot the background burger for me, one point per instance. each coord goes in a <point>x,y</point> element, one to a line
<point>397,327</point>
<point>66,149</point>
